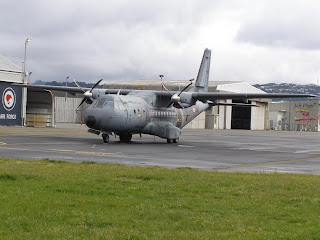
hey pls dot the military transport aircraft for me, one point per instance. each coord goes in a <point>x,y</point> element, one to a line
<point>159,113</point>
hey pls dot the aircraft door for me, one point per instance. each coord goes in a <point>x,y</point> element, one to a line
<point>137,115</point>
<point>121,113</point>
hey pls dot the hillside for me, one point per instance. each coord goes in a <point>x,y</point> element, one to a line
<point>289,88</point>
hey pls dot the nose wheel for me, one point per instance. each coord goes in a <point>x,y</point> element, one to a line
<point>105,138</point>
<point>175,140</point>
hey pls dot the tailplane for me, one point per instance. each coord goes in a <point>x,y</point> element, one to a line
<point>203,74</point>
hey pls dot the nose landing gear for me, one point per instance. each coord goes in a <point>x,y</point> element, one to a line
<point>105,138</point>
<point>176,140</point>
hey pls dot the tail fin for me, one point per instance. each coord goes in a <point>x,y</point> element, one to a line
<point>203,74</point>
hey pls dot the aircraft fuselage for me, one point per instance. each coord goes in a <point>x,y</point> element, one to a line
<point>133,114</point>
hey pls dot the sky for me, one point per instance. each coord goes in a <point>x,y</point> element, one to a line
<point>121,40</point>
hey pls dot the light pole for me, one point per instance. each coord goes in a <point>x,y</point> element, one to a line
<point>25,59</point>
<point>161,76</point>
<point>24,90</point>
<point>29,76</point>
<point>65,98</point>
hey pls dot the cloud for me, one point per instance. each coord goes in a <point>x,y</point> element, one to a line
<point>289,24</point>
<point>126,40</point>
<point>117,39</point>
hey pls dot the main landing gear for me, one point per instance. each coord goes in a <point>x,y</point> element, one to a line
<point>176,140</point>
<point>125,137</point>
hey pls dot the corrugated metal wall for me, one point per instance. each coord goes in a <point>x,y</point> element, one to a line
<point>11,77</point>
<point>66,110</point>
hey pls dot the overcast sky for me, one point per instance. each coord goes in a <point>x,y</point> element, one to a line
<point>254,41</point>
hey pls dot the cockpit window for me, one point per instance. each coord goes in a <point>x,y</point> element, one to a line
<point>109,104</point>
<point>104,103</point>
<point>100,103</point>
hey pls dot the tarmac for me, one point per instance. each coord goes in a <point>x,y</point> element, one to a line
<point>217,150</point>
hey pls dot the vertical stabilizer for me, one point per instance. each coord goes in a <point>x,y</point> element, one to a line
<point>203,74</point>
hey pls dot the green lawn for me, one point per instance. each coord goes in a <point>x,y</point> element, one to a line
<point>58,200</point>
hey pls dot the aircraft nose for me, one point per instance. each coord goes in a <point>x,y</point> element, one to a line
<point>90,121</point>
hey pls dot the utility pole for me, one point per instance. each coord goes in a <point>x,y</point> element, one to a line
<point>65,98</point>
<point>24,90</point>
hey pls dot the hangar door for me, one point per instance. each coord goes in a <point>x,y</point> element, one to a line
<point>241,117</point>
<point>40,108</point>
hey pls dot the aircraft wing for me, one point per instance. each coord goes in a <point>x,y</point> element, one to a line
<point>54,88</point>
<point>204,96</point>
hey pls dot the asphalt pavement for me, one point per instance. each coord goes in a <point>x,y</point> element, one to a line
<point>218,150</point>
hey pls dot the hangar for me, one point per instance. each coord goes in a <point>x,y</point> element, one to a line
<point>40,104</point>
<point>11,97</point>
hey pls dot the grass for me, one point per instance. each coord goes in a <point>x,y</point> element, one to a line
<point>58,200</point>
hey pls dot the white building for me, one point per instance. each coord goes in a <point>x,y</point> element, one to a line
<point>295,116</point>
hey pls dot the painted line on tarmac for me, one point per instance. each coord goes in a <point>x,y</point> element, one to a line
<point>3,143</point>
<point>82,152</point>
<point>56,143</point>
<point>62,151</point>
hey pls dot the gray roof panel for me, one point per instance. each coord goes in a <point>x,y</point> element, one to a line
<point>7,65</point>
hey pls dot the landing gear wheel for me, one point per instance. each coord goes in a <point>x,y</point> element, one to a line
<point>105,138</point>
<point>175,140</point>
<point>125,137</point>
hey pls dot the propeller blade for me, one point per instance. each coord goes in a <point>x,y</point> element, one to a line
<point>96,85</point>
<point>78,85</point>
<point>186,86</point>
<point>169,105</point>
<point>83,100</point>
<point>176,98</point>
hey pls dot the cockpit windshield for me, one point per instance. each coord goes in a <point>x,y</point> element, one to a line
<point>104,103</point>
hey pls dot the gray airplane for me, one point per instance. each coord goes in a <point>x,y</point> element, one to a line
<point>159,113</point>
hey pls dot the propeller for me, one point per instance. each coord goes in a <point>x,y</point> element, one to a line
<point>87,94</point>
<point>175,98</point>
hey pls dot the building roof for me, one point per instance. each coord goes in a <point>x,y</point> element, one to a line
<point>8,66</point>
<point>238,87</point>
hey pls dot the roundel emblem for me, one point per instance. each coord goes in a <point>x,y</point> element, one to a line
<point>8,99</point>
